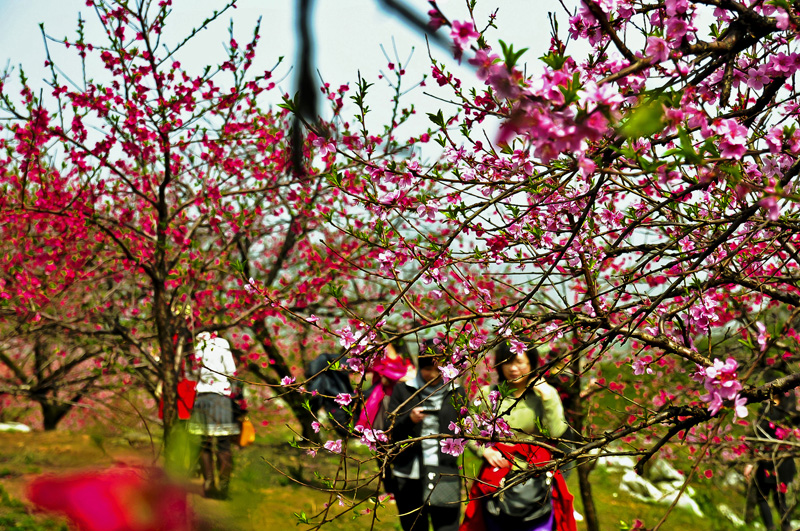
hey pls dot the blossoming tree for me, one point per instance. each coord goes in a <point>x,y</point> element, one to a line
<point>637,206</point>
<point>167,195</point>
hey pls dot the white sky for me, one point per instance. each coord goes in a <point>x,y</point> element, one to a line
<point>348,34</point>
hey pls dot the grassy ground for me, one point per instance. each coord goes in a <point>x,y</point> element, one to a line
<point>263,497</point>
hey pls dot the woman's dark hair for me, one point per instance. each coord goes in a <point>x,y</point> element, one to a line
<point>503,354</point>
<point>430,353</point>
<point>401,347</point>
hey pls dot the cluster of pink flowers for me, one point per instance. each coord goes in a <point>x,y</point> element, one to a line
<point>452,446</point>
<point>720,380</point>
<point>370,438</point>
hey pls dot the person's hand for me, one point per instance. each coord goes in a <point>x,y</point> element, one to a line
<point>417,414</point>
<point>544,390</point>
<point>748,471</point>
<point>495,458</point>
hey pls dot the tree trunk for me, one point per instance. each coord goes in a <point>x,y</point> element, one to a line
<point>52,413</point>
<point>167,363</point>
<point>576,416</point>
<point>589,511</point>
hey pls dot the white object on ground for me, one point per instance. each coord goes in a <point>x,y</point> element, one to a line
<point>15,427</point>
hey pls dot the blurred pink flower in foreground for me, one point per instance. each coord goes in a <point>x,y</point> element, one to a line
<point>117,499</point>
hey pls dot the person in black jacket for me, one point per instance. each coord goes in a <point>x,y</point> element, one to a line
<point>772,476</point>
<point>426,482</point>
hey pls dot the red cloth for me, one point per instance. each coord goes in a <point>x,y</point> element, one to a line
<point>488,481</point>
<point>187,392</point>
<point>118,499</point>
<point>392,369</point>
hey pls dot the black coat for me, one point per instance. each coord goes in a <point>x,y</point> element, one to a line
<point>404,428</point>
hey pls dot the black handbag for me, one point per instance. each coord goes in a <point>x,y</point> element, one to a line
<point>442,486</point>
<point>525,501</point>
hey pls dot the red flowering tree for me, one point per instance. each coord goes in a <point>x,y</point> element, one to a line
<point>169,197</point>
<point>637,207</point>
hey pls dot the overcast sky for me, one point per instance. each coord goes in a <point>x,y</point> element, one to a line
<point>348,37</point>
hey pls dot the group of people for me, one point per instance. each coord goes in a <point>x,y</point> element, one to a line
<point>425,480</point>
<point>414,403</point>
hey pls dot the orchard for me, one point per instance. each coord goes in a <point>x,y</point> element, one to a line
<point>622,201</point>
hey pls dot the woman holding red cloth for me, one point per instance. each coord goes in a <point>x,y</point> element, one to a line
<point>531,409</point>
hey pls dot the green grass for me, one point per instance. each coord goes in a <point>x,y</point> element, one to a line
<point>14,516</point>
<point>275,484</point>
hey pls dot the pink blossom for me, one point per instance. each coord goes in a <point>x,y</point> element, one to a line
<point>774,140</point>
<point>714,402</point>
<point>483,60</point>
<point>343,399</point>
<point>477,341</point>
<point>435,20</point>
<point>677,28</point>
<point>757,77</point>
<point>762,336</point>
<point>463,33</point>
<point>454,447</point>
<point>356,365</point>
<point>324,146</point>
<point>500,79</point>
<point>287,380</point>
<point>782,19</point>
<point>740,407</point>
<point>606,95</point>
<point>517,347</point>
<point>733,138</point>
<point>676,7</point>
<point>641,367</point>
<point>770,203</point>
<point>370,437</point>
<point>449,372</point>
<point>658,49</point>
<point>334,446</point>
<point>346,337</point>
<point>315,426</point>
<point>782,64</point>
<point>428,210</point>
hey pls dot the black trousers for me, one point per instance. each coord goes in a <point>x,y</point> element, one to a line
<point>414,513</point>
<point>768,478</point>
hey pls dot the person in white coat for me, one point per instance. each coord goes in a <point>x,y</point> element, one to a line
<point>213,413</point>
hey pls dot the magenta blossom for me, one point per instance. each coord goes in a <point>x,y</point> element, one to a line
<point>641,367</point>
<point>658,49</point>
<point>370,437</point>
<point>454,447</point>
<point>334,446</point>
<point>343,399</point>
<point>463,33</point>
<point>720,380</point>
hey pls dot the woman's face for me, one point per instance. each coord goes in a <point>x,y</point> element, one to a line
<point>391,353</point>
<point>430,373</point>
<point>516,369</point>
